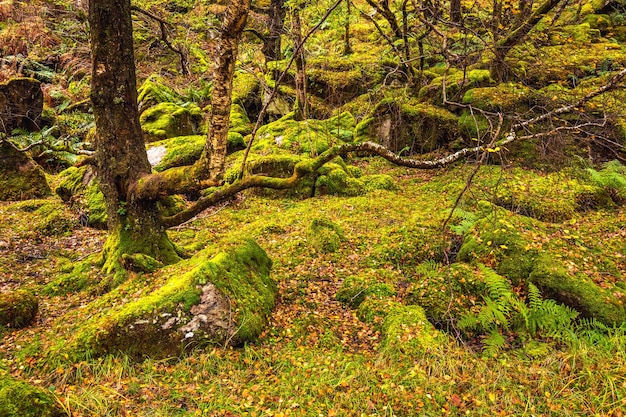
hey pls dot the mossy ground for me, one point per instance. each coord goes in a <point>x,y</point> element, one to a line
<point>319,353</point>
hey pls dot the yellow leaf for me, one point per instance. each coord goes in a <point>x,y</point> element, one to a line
<point>489,243</point>
<point>492,397</point>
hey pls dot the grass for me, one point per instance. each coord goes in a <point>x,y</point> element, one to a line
<point>316,357</point>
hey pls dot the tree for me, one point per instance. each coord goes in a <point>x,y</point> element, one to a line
<point>131,191</point>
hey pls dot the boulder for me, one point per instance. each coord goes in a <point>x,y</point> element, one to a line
<point>21,104</point>
<point>20,177</point>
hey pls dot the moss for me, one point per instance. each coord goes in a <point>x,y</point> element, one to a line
<point>154,91</point>
<point>374,309</point>
<point>140,262</point>
<point>179,151</point>
<point>356,288</point>
<point>19,399</point>
<point>20,177</point>
<point>79,187</point>
<point>159,324</point>
<point>446,292</point>
<point>407,126</point>
<point>246,88</point>
<point>457,83</point>
<point>239,122</point>
<point>406,331</point>
<point>17,308</point>
<point>504,97</point>
<point>309,136</point>
<point>578,292</point>
<point>53,219</point>
<point>335,180</point>
<point>324,235</point>
<point>378,182</point>
<point>171,205</point>
<point>167,120</point>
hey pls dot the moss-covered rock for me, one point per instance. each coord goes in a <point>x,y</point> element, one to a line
<point>407,126</point>
<point>222,297</point>
<point>457,82</point>
<point>79,187</point>
<point>510,245</point>
<point>167,120</point>
<point>578,292</point>
<point>19,399</point>
<point>309,136</point>
<point>17,308</point>
<point>175,152</point>
<point>324,235</point>
<point>154,91</point>
<point>239,121</point>
<point>406,331</point>
<point>20,177</point>
<point>504,97</point>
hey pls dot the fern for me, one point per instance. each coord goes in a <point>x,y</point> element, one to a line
<point>612,178</point>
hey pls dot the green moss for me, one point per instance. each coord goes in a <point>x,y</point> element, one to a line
<point>407,125</point>
<point>457,83</point>
<point>79,186</point>
<point>155,324</point>
<point>406,331</point>
<point>356,288</point>
<point>335,180</point>
<point>378,182</point>
<point>246,88</point>
<point>239,122</point>
<point>17,308</point>
<point>324,235</point>
<point>374,309</point>
<point>53,219</point>
<point>179,151</point>
<point>504,97</point>
<point>19,399</point>
<point>167,120</point>
<point>140,262</point>
<point>154,91</point>
<point>309,136</point>
<point>578,292</point>
<point>20,177</point>
<point>446,292</point>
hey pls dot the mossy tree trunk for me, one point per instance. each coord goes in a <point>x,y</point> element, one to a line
<point>120,158</point>
<point>276,16</point>
<point>131,190</point>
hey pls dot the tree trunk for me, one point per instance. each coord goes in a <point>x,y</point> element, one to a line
<point>455,11</point>
<point>271,47</point>
<point>301,107</point>
<point>223,71</point>
<point>347,48</point>
<point>120,158</point>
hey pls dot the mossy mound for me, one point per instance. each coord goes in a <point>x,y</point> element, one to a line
<point>79,187</point>
<point>175,152</point>
<point>168,120</point>
<point>247,92</point>
<point>239,121</point>
<point>20,177</point>
<point>224,298</point>
<point>47,217</point>
<point>504,97</point>
<point>446,292</point>
<point>308,136</point>
<point>511,246</point>
<point>406,331</point>
<point>553,64</point>
<point>356,288</point>
<point>17,308</point>
<point>554,197</point>
<point>154,91</point>
<point>457,82</point>
<point>408,126</point>
<point>324,235</point>
<point>19,399</point>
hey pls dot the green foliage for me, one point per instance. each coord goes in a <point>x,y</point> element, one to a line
<point>505,313</point>
<point>612,179</point>
<point>167,120</point>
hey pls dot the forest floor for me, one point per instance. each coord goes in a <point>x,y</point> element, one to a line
<point>316,357</point>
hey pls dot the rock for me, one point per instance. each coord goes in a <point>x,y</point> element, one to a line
<point>17,308</point>
<point>221,298</point>
<point>21,104</point>
<point>20,177</point>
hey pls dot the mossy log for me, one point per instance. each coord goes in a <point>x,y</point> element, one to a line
<point>224,298</point>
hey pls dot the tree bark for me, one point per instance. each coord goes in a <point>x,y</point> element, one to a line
<point>301,107</point>
<point>120,157</point>
<point>272,46</point>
